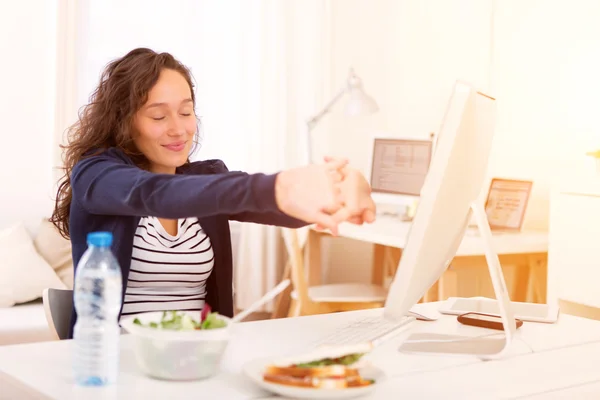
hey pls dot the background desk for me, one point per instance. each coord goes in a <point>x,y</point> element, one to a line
<point>527,251</point>
<point>559,358</point>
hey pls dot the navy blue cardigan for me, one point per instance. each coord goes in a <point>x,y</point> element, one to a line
<point>111,194</point>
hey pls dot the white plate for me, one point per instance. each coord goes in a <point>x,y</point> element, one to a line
<point>254,370</point>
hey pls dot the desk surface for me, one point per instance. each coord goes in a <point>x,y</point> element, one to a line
<point>547,360</point>
<point>391,231</point>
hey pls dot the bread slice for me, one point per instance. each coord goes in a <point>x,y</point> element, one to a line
<point>318,382</point>
<point>307,382</point>
<point>328,371</point>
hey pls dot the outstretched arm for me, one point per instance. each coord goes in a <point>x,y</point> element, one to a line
<point>105,184</point>
<point>109,183</point>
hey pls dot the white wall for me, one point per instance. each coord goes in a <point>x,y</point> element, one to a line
<point>539,58</point>
<point>546,68</point>
<point>27,76</point>
<point>408,53</point>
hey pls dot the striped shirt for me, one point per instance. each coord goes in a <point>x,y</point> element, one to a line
<point>168,272</point>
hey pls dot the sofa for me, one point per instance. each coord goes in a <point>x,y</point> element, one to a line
<point>30,261</point>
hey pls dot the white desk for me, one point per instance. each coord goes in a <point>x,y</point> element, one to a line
<point>393,232</point>
<point>557,359</point>
<point>388,234</point>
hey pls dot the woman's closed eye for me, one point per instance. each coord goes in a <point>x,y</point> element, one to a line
<point>157,118</point>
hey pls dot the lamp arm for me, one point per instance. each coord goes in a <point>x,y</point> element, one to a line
<point>312,122</point>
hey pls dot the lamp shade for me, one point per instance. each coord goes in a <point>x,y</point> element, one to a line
<point>359,103</point>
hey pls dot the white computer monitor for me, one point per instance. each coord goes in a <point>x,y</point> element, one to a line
<point>449,196</point>
<point>397,171</point>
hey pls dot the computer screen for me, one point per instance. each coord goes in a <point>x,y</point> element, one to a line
<point>450,194</point>
<point>454,182</point>
<point>399,166</point>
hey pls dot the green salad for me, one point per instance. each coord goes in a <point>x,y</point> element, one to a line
<point>179,321</point>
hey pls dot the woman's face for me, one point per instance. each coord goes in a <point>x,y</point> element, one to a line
<point>165,126</point>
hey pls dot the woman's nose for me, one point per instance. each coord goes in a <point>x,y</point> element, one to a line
<point>177,127</point>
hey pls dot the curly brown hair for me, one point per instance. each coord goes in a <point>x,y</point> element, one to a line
<point>107,121</point>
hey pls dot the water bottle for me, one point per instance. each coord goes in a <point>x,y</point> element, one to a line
<point>97,300</point>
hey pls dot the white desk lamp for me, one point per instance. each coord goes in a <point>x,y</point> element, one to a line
<point>360,103</point>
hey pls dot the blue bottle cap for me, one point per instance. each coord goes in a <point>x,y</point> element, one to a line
<point>99,239</point>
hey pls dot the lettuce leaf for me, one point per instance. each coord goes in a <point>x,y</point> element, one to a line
<point>346,360</point>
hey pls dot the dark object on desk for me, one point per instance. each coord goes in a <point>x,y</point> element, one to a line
<point>484,320</point>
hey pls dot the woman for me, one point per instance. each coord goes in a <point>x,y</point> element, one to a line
<point>127,171</point>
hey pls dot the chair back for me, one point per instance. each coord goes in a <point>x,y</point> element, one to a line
<point>58,307</point>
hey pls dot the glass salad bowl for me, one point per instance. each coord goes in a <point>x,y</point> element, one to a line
<point>178,345</point>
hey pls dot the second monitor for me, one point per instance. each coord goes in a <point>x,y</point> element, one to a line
<point>397,171</point>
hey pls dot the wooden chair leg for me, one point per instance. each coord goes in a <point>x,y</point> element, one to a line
<point>294,310</point>
<point>378,267</point>
<point>282,302</point>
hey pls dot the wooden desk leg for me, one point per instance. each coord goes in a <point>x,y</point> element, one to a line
<point>538,266</point>
<point>433,294</point>
<point>522,282</point>
<point>378,268</point>
<point>313,256</point>
<point>447,285</point>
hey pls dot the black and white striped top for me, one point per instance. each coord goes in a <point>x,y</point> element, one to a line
<point>168,272</point>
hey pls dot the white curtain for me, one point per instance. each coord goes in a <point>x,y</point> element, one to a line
<point>69,17</point>
<point>286,53</point>
<point>260,67</point>
<point>204,35</point>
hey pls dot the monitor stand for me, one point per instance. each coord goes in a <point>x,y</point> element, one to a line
<point>485,347</point>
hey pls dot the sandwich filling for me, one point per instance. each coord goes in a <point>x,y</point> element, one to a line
<point>325,368</point>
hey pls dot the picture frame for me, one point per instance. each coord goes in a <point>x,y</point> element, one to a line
<point>506,203</point>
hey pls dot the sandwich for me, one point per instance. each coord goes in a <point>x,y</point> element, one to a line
<point>331,367</point>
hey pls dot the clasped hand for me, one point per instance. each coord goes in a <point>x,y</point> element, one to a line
<point>325,194</point>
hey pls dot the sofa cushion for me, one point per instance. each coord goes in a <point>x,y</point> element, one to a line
<point>25,274</point>
<point>24,323</point>
<point>56,250</point>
